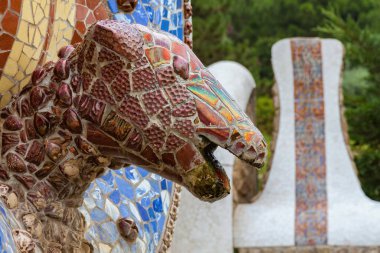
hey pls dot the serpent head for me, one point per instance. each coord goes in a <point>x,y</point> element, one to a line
<point>164,110</point>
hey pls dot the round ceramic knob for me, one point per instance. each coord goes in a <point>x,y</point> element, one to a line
<point>128,229</point>
<point>127,5</point>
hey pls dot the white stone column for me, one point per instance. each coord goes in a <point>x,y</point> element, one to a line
<point>352,218</point>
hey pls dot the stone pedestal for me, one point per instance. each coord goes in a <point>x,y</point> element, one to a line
<point>313,196</point>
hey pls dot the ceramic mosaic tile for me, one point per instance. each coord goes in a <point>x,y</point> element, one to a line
<point>311,193</point>
<point>7,223</point>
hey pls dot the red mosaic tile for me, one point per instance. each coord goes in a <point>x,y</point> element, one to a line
<point>155,136</point>
<point>100,91</point>
<point>158,55</point>
<point>217,135</point>
<point>143,79</point>
<point>177,94</point>
<point>208,116</point>
<point>180,50</point>
<point>121,85</point>
<point>165,76</point>
<point>185,127</point>
<point>10,22</point>
<point>188,157</point>
<point>185,110</point>
<point>131,108</point>
<point>173,142</point>
<point>154,101</point>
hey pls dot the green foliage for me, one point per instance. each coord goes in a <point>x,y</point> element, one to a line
<point>264,105</point>
<point>364,123</point>
<point>245,30</point>
<point>362,99</point>
<point>369,172</point>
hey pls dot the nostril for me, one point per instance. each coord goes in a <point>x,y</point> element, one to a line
<point>263,143</point>
<point>261,156</point>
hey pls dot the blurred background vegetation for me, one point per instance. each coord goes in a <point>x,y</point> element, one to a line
<point>245,30</point>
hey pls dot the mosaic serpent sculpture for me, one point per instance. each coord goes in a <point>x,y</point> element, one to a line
<point>126,95</point>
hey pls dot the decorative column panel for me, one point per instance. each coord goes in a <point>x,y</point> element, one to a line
<point>311,193</point>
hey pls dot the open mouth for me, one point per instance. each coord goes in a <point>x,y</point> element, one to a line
<point>208,181</point>
<point>219,170</point>
<point>208,154</point>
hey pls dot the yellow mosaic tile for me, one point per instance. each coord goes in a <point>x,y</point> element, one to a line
<point>19,76</point>
<point>14,90</point>
<point>29,51</point>
<point>23,62</point>
<point>16,50</point>
<point>22,33</point>
<point>43,26</point>
<point>63,30</point>
<point>32,30</point>
<point>5,99</point>
<point>6,84</point>
<point>12,68</point>
<point>27,12</point>
<point>31,67</point>
<point>37,37</point>
<point>39,15</point>
<point>23,83</point>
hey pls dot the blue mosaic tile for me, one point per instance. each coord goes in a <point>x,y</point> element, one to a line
<point>112,4</point>
<point>143,172</point>
<point>164,14</point>
<point>151,213</point>
<point>165,25</point>
<point>98,215</point>
<point>115,197</point>
<point>125,188</point>
<point>7,223</point>
<point>145,201</point>
<point>163,185</point>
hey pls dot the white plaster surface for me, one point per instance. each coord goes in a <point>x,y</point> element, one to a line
<point>270,220</point>
<point>353,219</point>
<point>203,227</point>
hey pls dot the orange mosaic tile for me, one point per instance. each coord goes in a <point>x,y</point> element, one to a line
<point>8,26</point>
<point>87,12</point>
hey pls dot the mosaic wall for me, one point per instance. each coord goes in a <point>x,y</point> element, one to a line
<point>311,193</point>
<point>31,32</point>
<point>134,193</point>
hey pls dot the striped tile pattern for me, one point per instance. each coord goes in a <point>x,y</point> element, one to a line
<point>311,194</point>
